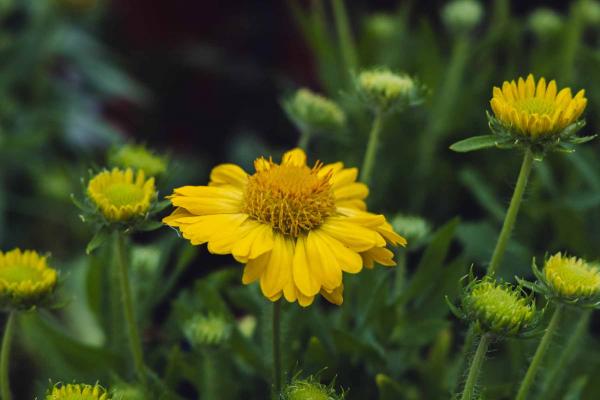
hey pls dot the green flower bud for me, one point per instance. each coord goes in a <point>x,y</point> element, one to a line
<point>545,22</point>
<point>498,308</point>
<point>207,330</point>
<point>77,392</point>
<point>412,227</point>
<point>462,15</point>
<point>309,389</point>
<point>384,90</point>
<point>138,157</point>
<point>313,113</point>
<point>381,25</point>
<point>568,280</point>
<point>590,12</point>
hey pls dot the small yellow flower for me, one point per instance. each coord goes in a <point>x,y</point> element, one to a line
<point>26,280</point>
<point>138,158</point>
<point>571,277</point>
<point>295,228</point>
<point>77,392</point>
<point>534,109</point>
<point>121,195</point>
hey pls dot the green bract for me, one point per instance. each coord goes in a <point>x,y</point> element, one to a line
<point>310,389</point>
<point>498,308</point>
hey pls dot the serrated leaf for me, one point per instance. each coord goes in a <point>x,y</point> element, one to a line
<point>99,238</point>
<point>477,143</point>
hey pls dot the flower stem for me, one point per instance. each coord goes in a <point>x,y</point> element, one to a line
<point>366,171</point>
<point>568,353</point>
<point>539,354</point>
<point>276,349</point>
<point>5,356</point>
<point>511,213</point>
<point>475,368</point>
<point>132,329</point>
<point>304,139</point>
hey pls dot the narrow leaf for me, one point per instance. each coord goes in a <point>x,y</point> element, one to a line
<point>477,143</point>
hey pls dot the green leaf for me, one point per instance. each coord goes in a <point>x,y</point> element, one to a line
<point>430,265</point>
<point>477,143</point>
<point>98,240</point>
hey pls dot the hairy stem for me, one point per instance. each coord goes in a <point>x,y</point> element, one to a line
<point>475,368</point>
<point>277,372</point>
<point>366,172</point>
<point>539,354</point>
<point>5,356</point>
<point>135,343</point>
<point>511,213</point>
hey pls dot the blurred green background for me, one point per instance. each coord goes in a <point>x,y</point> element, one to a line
<point>202,82</point>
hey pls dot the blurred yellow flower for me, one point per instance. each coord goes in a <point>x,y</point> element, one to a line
<point>25,279</point>
<point>535,109</point>
<point>295,228</point>
<point>121,195</point>
<point>77,392</point>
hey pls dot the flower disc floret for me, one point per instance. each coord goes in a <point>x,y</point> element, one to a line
<point>26,280</point>
<point>498,308</point>
<point>535,110</point>
<point>296,228</point>
<point>571,277</point>
<point>138,158</point>
<point>122,195</point>
<point>77,392</point>
<point>313,112</point>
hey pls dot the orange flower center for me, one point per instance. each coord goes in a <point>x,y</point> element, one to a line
<point>292,199</point>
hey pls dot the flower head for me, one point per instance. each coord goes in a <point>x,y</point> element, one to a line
<point>499,308</point>
<point>77,392</point>
<point>121,195</point>
<point>309,389</point>
<point>462,15</point>
<point>297,228</point>
<point>313,112</point>
<point>26,280</point>
<point>208,329</point>
<point>569,280</point>
<point>385,90</point>
<point>413,227</point>
<point>533,109</point>
<point>138,158</point>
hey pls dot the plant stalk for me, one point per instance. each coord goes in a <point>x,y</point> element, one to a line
<point>552,378</point>
<point>277,372</point>
<point>366,172</point>
<point>304,139</point>
<point>132,329</point>
<point>344,33</point>
<point>475,368</point>
<point>539,354</point>
<point>511,213</point>
<point>5,356</point>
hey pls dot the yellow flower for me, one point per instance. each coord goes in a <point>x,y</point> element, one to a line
<point>26,280</point>
<point>296,228</point>
<point>77,392</point>
<point>571,277</point>
<point>534,109</point>
<point>120,195</point>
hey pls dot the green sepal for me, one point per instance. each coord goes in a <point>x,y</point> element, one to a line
<point>478,143</point>
<point>149,225</point>
<point>453,309</point>
<point>98,240</point>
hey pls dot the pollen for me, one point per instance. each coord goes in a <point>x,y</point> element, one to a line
<point>291,198</point>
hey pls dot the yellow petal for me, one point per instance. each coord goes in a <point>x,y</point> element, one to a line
<point>307,282</point>
<point>295,157</point>
<point>321,257</point>
<point>335,296</point>
<point>228,174</point>
<point>205,227</point>
<point>355,190</point>
<point>381,255</point>
<point>541,88</point>
<point>530,86</point>
<point>551,90</point>
<point>343,177</point>
<point>356,237</point>
<point>257,241</point>
<point>255,268</point>
<point>349,261</point>
<point>279,269</point>
<point>203,200</point>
